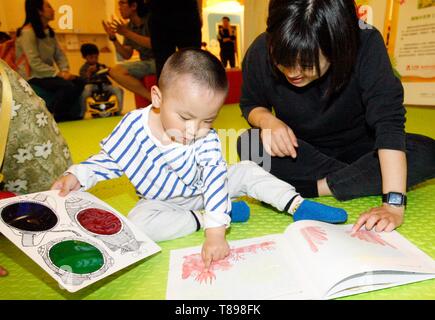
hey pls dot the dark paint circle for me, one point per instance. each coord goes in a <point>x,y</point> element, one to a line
<point>29,216</point>
<point>76,257</point>
<point>99,221</point>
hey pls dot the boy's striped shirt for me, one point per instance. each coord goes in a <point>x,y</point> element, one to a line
<point>162,172</point>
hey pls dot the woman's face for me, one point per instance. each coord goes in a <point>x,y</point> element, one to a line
<point>301,77</point>
<point>47,12</point>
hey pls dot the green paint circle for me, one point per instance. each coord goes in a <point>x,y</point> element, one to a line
<point>76,257</point>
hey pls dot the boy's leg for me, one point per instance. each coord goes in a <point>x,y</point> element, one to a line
<point>163,220</point>
<point>247,178</point>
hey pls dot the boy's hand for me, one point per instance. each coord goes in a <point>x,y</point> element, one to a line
<point>66,184</point>
<point>91,70</point>
<point>385,218</point>
<point>215,246</point>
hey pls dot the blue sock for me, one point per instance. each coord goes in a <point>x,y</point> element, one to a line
<point>310,210</point>
<point>240,211</point>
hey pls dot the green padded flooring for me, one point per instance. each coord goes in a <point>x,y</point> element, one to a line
<point>147,279</point>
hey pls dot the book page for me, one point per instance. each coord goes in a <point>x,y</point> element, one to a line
<point>330,253</point>
<point>77,239</point>
<point>255,269</point>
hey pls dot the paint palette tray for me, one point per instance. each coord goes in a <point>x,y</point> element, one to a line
<point>77,239</point>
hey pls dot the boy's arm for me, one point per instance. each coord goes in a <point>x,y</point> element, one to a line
<point>95,169</point>
<point>214,178</point>
<point>217,200</point>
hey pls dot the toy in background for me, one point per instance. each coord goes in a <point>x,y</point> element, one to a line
<point>101,103</point>
<point>99,98</point>
<point>77,239</point>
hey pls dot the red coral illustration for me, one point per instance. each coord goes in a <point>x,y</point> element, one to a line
<point>314,236</point>
<point>370,236</point>
<point>193,266</point>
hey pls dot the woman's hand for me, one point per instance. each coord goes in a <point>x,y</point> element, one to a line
<point>66,75</point>
<point>278,139</point>
<point>215,246</point>
<point>383,218</point>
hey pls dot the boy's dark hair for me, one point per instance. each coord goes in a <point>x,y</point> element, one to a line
<point>32,16</point>
<point>201,65</point>
<point>226,18</point>
<point>297,30</point>
<point>141,7</point>
<point>88,48</point>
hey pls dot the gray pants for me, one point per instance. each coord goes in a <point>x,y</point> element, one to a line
<point>170,219</point>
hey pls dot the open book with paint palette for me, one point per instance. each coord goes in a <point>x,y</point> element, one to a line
<point>77,239</point>
<point>310,260</point>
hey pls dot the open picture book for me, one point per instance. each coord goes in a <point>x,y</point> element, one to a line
<point>77,239</point>
<point>310,260</point>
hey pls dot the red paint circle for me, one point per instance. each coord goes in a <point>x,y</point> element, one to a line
<point>99,221</point>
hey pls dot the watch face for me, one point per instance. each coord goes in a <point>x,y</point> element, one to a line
<point>395,198</point>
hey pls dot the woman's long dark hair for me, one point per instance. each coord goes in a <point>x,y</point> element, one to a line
<point>299,29</point>
<point>32,16</point>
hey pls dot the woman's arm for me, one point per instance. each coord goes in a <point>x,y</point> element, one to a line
<point>394,173</point>
<point>278,138</point>
<point>382,94</point>
<point>60,58</point>
<point>29,44</point>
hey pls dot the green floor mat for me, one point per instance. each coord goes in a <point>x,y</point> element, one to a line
<point>148,278</point>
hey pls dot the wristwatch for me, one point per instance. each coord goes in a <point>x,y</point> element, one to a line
<point>396,199</point>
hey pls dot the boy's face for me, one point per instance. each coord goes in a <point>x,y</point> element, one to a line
<point>187,110</point>
<point>92,59</point>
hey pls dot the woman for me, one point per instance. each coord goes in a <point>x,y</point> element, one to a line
<point>338,127</point>
<point>37,40</point>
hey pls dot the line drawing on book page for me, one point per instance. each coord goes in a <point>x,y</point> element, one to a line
<point>314,236</point>
<point>193,266</point>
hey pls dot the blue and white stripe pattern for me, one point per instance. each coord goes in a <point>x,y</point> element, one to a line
<point>162,172</point>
